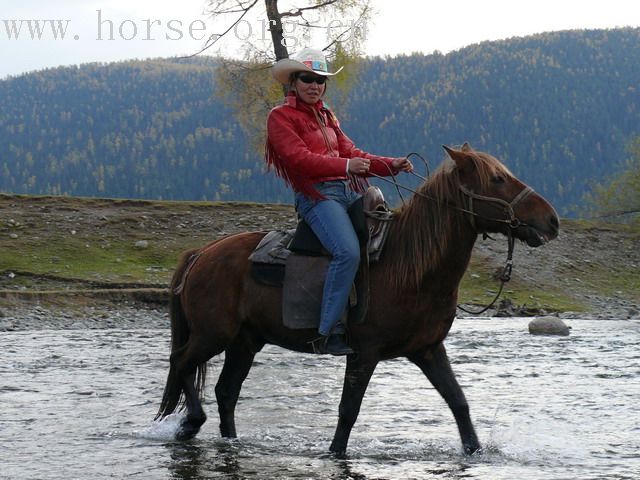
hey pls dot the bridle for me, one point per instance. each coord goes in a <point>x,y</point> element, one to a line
<point>511,220</point>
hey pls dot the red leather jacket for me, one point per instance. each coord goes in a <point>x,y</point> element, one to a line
<point>303,154</point>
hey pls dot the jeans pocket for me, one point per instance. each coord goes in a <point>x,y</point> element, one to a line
<point>303,204</point>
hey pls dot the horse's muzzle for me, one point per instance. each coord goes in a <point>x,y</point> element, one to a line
<point>537,235</point>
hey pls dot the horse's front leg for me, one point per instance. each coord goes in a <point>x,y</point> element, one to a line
<point>356,379</point>
<point>435,365</point>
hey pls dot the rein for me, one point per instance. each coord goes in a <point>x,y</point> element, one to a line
<point>513,222</point>
<point>504,277</point>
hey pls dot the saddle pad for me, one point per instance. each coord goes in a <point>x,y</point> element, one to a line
<point>269,274</point>
<point>272,248</point>
<point>302,291</point>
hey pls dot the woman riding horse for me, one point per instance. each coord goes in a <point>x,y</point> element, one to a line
<point>217,306</point>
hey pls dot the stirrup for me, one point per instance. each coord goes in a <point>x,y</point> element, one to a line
<point>320,345</point>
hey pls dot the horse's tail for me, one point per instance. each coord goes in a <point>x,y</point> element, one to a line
<point>173,397</point>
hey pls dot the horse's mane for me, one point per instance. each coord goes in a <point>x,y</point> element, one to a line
<point>424,228</point>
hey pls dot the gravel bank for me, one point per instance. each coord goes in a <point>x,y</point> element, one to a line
<point>128,315</point>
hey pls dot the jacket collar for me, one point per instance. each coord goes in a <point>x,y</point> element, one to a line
<point>292,100</point>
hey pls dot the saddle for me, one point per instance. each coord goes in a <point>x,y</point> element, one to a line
<point>296,261</point>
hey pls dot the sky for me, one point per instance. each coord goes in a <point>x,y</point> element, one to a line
<point>111,30</point>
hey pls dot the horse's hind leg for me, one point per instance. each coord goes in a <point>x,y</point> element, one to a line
<point>190,366</point>
<point>195,414</point>
<point>435,365</point>
<point>237,363</point>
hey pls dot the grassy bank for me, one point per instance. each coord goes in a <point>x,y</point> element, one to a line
<point>62,244</point>
<point>106,242</point>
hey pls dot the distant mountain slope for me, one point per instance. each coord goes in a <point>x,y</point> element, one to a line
<point>557,108</point>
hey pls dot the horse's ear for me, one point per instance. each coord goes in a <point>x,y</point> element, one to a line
<point>466,147</point>
<point>450,151</point>
<point>461,158</point>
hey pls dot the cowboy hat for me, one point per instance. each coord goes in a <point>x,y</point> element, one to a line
<point>307,60</point>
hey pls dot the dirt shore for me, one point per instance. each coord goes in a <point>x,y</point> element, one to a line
<point>94,261</point>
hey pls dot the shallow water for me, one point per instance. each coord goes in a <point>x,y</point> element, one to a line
<point>78,404</point>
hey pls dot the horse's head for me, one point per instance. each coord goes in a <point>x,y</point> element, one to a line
<point>498,202</point>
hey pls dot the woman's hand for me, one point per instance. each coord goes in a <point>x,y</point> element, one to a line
<point>359,166</point>
<point>402,164</point>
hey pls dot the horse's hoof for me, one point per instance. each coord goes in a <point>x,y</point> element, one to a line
<point>342,455</point>
<point>471,449</point>
<point>189,427</point>
<point>338,451</point>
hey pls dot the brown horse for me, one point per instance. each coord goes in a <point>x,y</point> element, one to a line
<point>414,292</point>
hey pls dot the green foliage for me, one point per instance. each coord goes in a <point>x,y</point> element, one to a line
<point>149,129</point>
<point>620,195</point>
<point>557,108</point>
<point>248,89</point>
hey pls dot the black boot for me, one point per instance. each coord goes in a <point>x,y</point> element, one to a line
<point>335,345</point>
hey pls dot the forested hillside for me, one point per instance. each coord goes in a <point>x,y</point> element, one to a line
<point>557,108</point>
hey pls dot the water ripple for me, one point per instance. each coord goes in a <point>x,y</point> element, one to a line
<point>567,407</point>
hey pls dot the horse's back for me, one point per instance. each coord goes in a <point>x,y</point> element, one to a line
<point>227,256</point>
<point>215,279</point>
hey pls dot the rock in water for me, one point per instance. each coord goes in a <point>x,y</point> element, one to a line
<point>548,326</point>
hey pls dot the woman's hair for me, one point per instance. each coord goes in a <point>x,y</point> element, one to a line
<point>292,80</point>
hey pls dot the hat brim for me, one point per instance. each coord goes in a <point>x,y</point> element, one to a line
<point>283,69</point>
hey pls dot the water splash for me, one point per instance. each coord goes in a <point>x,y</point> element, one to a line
<point>165,429</point>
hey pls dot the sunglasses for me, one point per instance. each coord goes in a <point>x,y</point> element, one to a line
<point>311,79</point>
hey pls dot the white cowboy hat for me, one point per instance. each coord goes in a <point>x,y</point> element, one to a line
<point>307,60</point>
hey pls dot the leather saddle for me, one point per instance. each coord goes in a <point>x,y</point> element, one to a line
<point>296,261</point>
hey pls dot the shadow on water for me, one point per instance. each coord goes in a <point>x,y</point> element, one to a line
<point>343,469</point>
<point>204,460</point>
<point>235,460</point>
<point>194,460</point>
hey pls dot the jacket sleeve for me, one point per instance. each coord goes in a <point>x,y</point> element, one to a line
<point>379,165</point>
<point>294,153</point>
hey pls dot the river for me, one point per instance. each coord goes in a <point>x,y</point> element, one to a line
<point>79,404</point>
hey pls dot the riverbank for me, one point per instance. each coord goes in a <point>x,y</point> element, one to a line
<point>88,256</point>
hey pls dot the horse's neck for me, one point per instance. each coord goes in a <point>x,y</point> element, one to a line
<point>457,255</point>
<point>419,254</point>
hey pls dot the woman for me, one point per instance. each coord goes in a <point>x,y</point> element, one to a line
<point>327,172</point>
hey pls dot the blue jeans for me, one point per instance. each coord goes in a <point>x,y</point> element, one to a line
<point>329,220</point>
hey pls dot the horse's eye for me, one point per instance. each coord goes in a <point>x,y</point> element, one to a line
<point>498,179</point>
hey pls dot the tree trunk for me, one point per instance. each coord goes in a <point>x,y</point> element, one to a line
<point>275,27</point>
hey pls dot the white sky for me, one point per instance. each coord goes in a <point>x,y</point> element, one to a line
<point>140,27</point>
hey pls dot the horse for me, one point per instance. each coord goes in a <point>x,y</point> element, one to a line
<point>414,286</point>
